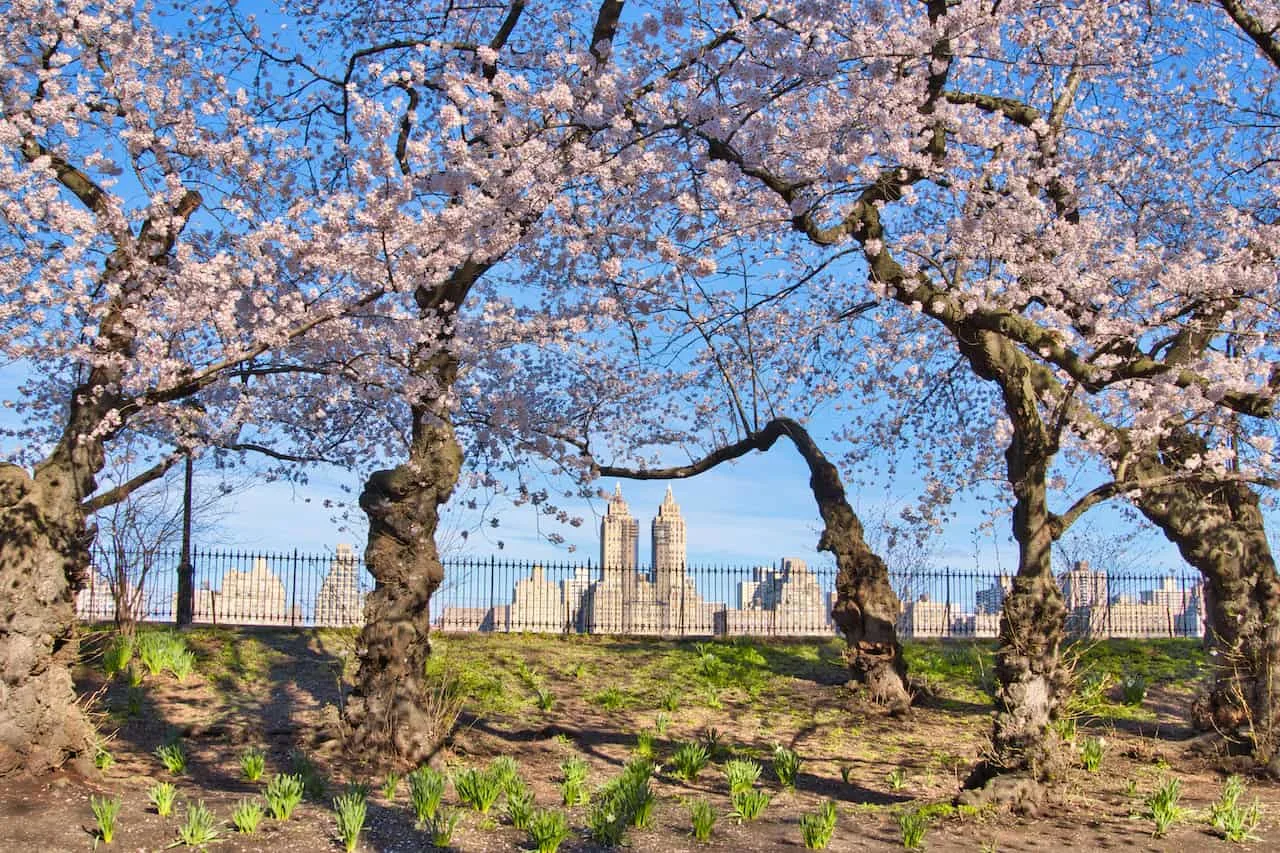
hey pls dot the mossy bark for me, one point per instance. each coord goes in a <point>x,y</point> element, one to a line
<point>1217,526</point>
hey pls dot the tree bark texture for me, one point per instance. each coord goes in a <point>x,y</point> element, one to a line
<point>866,608</point>
<point>43,559</point>
<point>1032,683</point>
<point>1218,528</point>
<point>387,711</point>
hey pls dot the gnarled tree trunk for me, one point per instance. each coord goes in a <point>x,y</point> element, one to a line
<point>1026,751</point>
<point>387,710</point>
<point>866,608</point>
<point>1218,528</point>
<point>43,558</point>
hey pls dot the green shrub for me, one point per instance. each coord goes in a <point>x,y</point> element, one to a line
<point>350,812</point>
<point>200,828</point>
<point>520,806</point>
<point>442,826</point>
<point>741,774</point>
<point>749,805</point>
<point>548,829</point>
<point>1092,751</point>
<point>1162,805</point>
<point>390,786</point>
<point>713,740</point>
<point>688,761</point>
<point>252,764</point>
<point>644,745</point>
<point>182,664</point>
<point>133,701</point>
<point>173,757</point>
<point>610,699</point>
<point>426,789</point>
<point>573,788</point>
<point>159,649</point>
<point>314,784</point>
<point>117,654</point>
<point>546,699</point>
<point>671,700</point>
<point>283,793</point>
<point>786,766</point>
<point>607,821</point>
<point>661,723</point>
<point>105,812</point>
<point>479,789</point>
<point>102,758</point>
<point>897,779</point>
<point>507,771</point>
<point>913,825</point>
<point>1133,689</point>
<point>626,800</point>
<point>162,795</point>
<point>246,816</point>
<point>816,828</point>
<point>1236,823</point>
<point>703,817</point>
<point>527,675</point>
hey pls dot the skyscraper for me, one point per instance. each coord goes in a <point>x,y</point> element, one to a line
<point>670,544</point>
<point>619,537</point>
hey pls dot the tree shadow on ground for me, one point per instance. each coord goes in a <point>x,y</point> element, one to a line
<point>252,687</point>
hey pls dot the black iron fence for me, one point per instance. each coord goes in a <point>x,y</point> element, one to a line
<point>788,598</point>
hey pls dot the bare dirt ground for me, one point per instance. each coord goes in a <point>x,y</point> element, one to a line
<point>281,691</point>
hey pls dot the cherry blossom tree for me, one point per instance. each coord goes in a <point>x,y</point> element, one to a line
<point>999,169</point>
<point>153,248</point>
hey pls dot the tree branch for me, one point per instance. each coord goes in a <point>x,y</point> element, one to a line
<point>113,496</point>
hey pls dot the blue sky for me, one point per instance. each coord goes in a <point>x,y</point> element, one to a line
<point>754,511</point>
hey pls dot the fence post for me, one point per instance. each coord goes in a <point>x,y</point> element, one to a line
<point>493,608</point>
<point>293,595</point>
<point>185,614</point>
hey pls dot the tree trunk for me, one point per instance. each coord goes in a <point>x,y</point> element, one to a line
<point>387,710</point>
<point>43,559</point>
<point>866,608</point>
<point>1026,751</point>
<point>1218,528</point>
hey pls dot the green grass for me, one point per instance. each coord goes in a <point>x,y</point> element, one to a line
<point>162,795</point>
<point>246,816</point>
<point>200,828</point>
<point>963,671</point>
<point>105,812</point>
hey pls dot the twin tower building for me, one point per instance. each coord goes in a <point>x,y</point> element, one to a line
<point>626,599</point>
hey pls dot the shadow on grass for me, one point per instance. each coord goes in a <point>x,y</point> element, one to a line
<point>256,682</point>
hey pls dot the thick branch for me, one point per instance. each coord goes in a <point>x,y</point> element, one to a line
<point>113,496</point>
<point>1265,39</point>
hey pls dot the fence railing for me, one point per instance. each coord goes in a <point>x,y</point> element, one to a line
<point>785,599</point>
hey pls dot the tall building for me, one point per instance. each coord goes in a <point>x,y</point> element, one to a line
<point>670,546</point>
<point>1087,598</point>
<point>619,536</point>
<point>1083,587</point>
<point>338,601</point>
<point>991,599</point>
<point>610,608</point>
